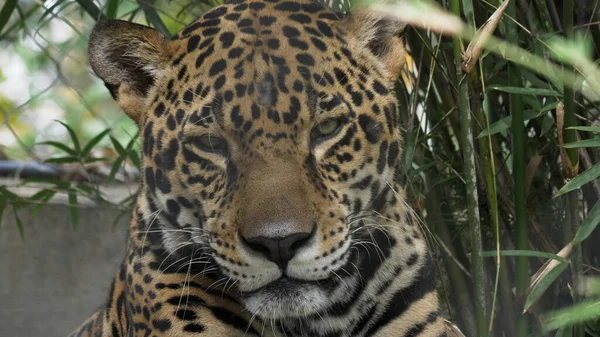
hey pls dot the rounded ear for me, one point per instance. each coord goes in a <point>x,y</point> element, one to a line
<point>380,34</point>
<point>127,57</point>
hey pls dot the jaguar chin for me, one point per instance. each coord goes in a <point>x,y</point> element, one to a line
<point>287,298</point>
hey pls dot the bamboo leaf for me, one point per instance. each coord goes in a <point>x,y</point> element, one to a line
<point>525,91</point>
<point>60,146</point>
<point>88,147</point>
<point>41,198</point>
<point>73,210</point>
<point>114,169</point>
<point>62,160</point>
<point>3,204</point>
<point>153,17</point>
<point>540,287</point>
<point>135,159</point>
<point>591,174</point>
<point>112,7</point>
<point>90,7</point>
<point>118,147</point>
<point>547,124</point>
<point>6,12</point>
<point>505,123</point>
<point>61,185</point>
<point>583,143</point>
<point>73,136</point>
<point>549,106</point>
<point>575,314</point>
<point>528,253</point>
<point>566,331</point>
<point>20,227</point>
<point>585,128</point>
<point>473,52</point>
<point>589,224</point>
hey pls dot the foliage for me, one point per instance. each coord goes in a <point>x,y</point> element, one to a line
<point>502,142</point>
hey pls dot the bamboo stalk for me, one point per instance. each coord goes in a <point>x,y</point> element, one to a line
<point>461,297</point>
<point>519,169</point>
<point>571,220</point>
<point>470,177</point>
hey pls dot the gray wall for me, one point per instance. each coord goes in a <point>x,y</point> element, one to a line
<point>56,277</point>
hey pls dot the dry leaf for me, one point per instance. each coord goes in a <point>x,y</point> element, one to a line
<point>452,330</point>
<point>530,172</point>
<point>569,170</point>
<point>424,15</point>
<point>545,269</point>
<point>473,52</point>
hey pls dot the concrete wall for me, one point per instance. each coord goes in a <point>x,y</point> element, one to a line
<point>56,277</point>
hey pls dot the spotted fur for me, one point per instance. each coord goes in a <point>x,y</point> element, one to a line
<point>260,78</point>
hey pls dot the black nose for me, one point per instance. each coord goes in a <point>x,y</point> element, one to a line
<point>278,250</point>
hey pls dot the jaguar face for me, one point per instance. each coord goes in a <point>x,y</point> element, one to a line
<point>269,134</point>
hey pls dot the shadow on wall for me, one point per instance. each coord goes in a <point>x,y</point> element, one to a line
<point>57,275</point>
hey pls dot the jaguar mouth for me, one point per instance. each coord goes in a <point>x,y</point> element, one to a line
<point>288,285</point>
<point>288,297</point>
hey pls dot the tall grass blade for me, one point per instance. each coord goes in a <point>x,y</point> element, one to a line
<point>588,225</point>
<point>591,174</point>
<point>6,12</point>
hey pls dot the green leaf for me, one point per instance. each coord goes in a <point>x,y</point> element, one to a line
<point>583,143</point>
<point>62,160</point>
<point>525,91</point>
<point>20,227</point>
<point>112,7</point>
<point>528,253</point>
<point>73,210</point>
<point>566,331</point>
<point>504,124</point>
<point>90,145</point>
<point>580,180</point>
<point>5,13</point>
<point>3,204</point>
<point>153,17</point>
<point>61,185</point>
<point>543,285</point>
<point>91,9</point>
<point>73,136</point>
<point>585,128</point>
<point>118,147</point>
<point>93,160</point>
<point>549,106</point>
<point>60,146</point>
<point>547,124</point>
<point>133,155</point>
<point>588,225</point>
<point>8,194</point>
<point>40,200</point>
<point>575,314</point>
<point>135,159</point>
<point>114,169</point>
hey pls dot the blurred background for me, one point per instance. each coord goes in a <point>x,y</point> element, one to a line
<point>501,159</point>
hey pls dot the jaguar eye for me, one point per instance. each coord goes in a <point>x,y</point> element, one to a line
<point>326,129</point>
<point>210,143</point>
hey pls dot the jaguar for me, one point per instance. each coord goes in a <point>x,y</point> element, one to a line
<point>269,205</point>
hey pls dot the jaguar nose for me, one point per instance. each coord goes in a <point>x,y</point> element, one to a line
<point>280,250</point>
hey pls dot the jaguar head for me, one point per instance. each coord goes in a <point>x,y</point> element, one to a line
<point>270,133</point>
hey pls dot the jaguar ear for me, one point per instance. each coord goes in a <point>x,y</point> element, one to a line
<point>128,57</point>
<point>380,34</point>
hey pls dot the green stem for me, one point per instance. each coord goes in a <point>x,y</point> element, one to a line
<point>91,9</point>
<point>519,193</point>
<point>461,297</point>
<point>470,186</point>
<point>572,220</point>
